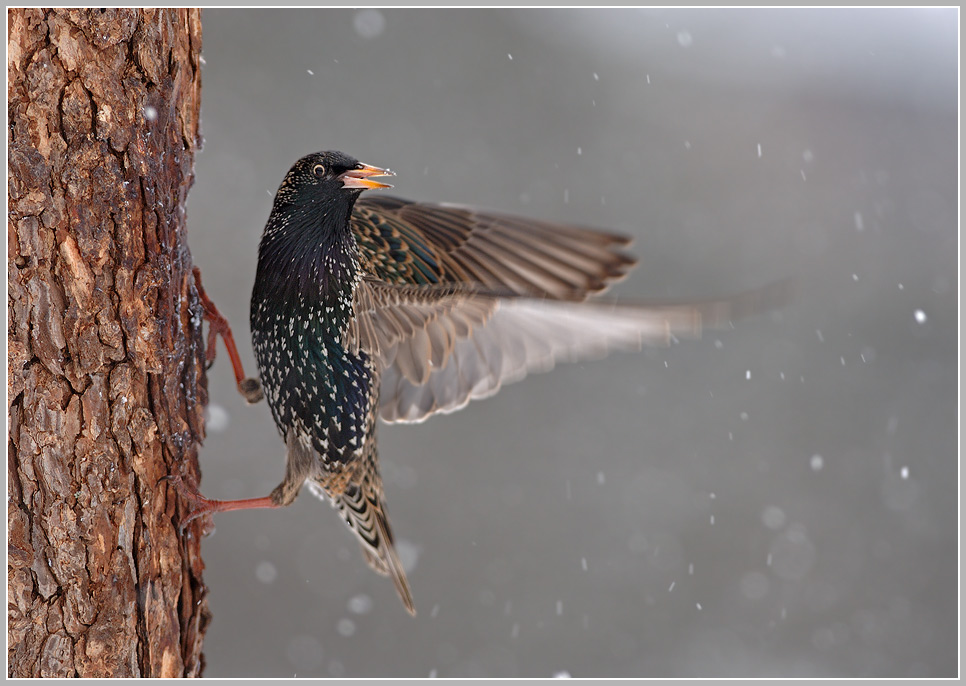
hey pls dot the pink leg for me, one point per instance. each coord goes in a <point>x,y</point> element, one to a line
<point>217,324</point>
<point>201,506</point>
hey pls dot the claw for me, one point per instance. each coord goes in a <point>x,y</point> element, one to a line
<point>199,505</point>
<point>213,328</point>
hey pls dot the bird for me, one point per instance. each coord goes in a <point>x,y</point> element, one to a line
<point>379,307</point>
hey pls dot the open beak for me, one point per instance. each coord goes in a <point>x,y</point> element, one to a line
<point>360,177</point>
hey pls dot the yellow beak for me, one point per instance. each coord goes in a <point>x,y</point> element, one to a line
<point>360,177</point>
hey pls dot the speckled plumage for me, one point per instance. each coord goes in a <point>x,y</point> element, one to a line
<point>382,307</point>
<point>320,393</point>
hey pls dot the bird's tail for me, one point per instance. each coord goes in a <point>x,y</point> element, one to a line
<point>364,510</point>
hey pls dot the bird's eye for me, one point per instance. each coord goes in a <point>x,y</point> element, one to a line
<point>319,170</point>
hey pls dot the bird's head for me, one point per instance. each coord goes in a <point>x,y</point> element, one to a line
<point>329,175</point>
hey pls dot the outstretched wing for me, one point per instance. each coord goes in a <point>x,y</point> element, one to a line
<point>403,242</point>
<point>415,329</point>
<point>440,347</point>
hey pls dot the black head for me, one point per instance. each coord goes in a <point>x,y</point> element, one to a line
<point>327,176</point>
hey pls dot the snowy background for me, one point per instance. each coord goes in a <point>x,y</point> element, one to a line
<point>776,500</point>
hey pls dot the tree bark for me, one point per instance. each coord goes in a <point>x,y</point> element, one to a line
<point>106,378</point>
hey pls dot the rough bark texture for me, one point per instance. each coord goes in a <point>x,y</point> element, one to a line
<point>106,383</point>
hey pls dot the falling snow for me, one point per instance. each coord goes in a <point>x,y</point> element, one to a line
<point>266,572</point>
<point>346,627</point>
<point>217,418</point>
<point>360,604</point>
<point>773,517</point>
<point>369,23</point>
<point>742,584</point>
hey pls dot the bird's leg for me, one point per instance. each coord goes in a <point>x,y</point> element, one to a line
<point>217,324</point>
<point>299,464</point>
<point>200,506</point>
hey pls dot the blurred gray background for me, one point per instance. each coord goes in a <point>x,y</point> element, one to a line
<point>775,500</point>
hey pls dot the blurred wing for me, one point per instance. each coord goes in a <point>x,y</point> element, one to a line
<point>525,335</point>
<point>403,242</point>
<point>413,329</point>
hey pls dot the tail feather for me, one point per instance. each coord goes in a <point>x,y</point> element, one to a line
<point>387,562</point>
<point>363,509</point>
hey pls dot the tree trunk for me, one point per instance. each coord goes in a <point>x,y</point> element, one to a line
<point>106,380</point>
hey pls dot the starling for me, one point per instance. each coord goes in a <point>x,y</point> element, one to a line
<point>381,307</point>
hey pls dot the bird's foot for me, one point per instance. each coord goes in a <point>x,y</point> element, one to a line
<point>200,506</point>
<point>252,390</point>
<point>197,504</point>
<point>218,325</point>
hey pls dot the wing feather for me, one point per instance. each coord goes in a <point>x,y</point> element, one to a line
<point>439,347</point>
<point>458,302</point>
<point>405,242</point>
